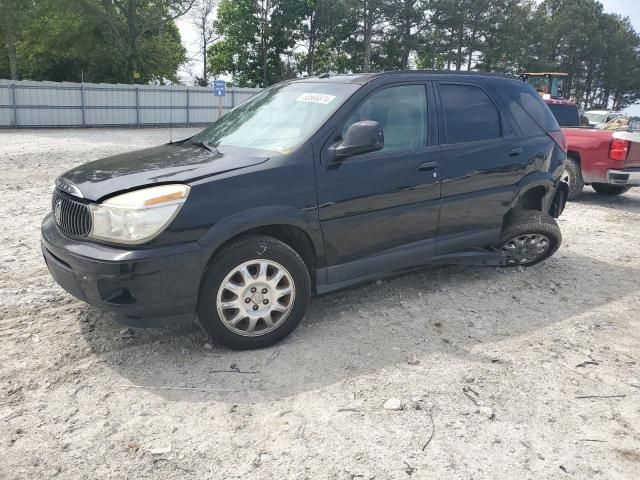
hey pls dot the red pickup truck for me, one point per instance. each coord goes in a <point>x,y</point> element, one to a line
<point>607,160</point>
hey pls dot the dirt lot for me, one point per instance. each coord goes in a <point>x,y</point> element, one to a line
<point>491,367</point>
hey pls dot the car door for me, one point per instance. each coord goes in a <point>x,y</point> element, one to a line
<point>482,162</point>
<point>373,205</point>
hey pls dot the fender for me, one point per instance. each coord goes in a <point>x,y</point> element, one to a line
<point>306,219</point>
<point>533,180</point>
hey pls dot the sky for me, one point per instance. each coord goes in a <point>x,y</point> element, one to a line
<point>626,8</point>
<point>189,36</point>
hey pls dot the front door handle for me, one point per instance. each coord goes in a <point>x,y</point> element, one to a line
<point>428,166</point>
<point>514,152</point>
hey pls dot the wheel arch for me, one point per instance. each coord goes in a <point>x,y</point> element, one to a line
<point>575,155</point>
<point>293,227</point>
<point>534,192</point>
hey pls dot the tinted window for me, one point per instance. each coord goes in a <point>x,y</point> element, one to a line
<point>401,112</point>
<point>535,107</point>
<point>566,115</point>
<point>469,114</point>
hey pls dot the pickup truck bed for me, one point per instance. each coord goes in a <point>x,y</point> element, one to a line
<point>607,160</point>
<point>592,149</point>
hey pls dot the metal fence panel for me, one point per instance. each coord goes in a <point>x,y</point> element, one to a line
<point>66,104</point>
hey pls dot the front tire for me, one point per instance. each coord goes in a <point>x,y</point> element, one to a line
<point>529,237</point>
<point>610,190</point>
<point>573,177</point>
<point>254,293</point>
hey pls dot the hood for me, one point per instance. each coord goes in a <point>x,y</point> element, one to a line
<point>171,163</point>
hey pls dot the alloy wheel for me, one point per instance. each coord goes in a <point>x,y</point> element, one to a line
<point>526,249</point>
<point>255,297</point>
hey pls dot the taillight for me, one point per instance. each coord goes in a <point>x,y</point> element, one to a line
<point>619,149</point>
<point>560,139</point>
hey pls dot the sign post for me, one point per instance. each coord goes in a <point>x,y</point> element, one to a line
<point>219,90</point>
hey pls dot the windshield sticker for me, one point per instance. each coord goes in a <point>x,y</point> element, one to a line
<point>316,98</point>
<point>280,149</point>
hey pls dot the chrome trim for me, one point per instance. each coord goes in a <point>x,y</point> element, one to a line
<point>632,177</point>
<point>72,217</point>
<point>67,187</point>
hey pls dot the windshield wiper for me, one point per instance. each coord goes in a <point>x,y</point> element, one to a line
<point>206,146</point>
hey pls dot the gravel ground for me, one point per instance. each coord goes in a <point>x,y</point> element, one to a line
<point>488,369</point>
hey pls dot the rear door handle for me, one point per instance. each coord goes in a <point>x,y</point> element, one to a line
<point>428,166</point>
<point>514,152</point>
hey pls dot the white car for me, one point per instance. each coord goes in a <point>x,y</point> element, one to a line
<point>600,118</point>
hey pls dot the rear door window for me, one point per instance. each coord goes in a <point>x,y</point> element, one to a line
<point>529,100</point>
<point>469,114</point>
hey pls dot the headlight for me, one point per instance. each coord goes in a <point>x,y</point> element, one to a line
<point>137,216</point>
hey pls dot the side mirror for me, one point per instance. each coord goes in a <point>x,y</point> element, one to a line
<point>361,137</point>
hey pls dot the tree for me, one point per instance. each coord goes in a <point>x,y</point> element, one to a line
<point>407,19</point>
<point>369,18</point>
<point>511,37</point>
<point>202,15</point>
<point>261,42</point>
<point>61,44</point>
<point>57,40</point>
<point>13,17</point>
<point>131,24</point>
<point>319,26</point>
<point>256,35</point>
<point>620,70</point>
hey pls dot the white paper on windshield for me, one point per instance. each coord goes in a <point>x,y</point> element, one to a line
<point>316,98</point>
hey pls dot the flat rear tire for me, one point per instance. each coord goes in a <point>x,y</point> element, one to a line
<point>529,237</point>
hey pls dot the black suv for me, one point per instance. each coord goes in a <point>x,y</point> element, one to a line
<point>311,186</point>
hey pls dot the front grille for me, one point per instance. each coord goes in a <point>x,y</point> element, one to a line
<point>72,218</point>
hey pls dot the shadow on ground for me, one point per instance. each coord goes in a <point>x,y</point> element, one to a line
<point>626,202</point>
<point>363,330</point>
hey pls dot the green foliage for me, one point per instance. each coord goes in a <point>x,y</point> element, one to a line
<point>257,34</point>
<point>266,41</point>
<point>261,42</point>
<point>98,40</point>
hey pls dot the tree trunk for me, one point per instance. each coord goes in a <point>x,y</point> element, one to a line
<point>406,50</point>
<point>605,99</point>
<point>263,42</point>
<point>460,41</point>
<point>132,40</point>
<point>368,33</point>
<point>10,43</point>
<point>451,43</point>
<point>312,42</point>
<point>588,83</point>
<point>205,74</point>
<point>472,45</point>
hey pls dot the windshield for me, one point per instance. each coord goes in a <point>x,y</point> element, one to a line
<point>546,85</point>
<point>595,117</point>
<point>278,119</point>
<point>567,115</point>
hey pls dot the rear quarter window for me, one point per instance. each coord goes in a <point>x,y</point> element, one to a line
<point>529,100</point>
